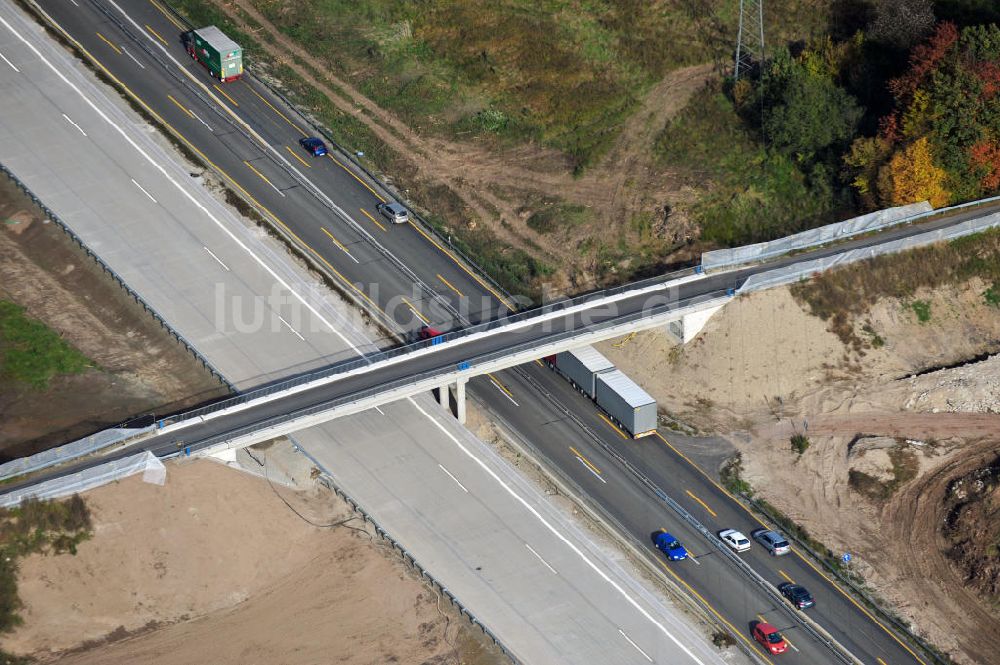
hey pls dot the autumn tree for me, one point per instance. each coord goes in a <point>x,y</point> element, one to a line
<point>985,156</point>
<point>911,176</point>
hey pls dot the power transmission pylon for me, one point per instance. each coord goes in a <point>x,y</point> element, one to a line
<point>750,40</point>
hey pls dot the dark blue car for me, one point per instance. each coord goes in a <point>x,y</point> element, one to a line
<point>670,546</point>
<point>313,146</point>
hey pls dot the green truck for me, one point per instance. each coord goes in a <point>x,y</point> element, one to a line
<point>219,54</point>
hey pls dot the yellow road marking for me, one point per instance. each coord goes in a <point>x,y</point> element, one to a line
<point>298,157</point>
<point>615,427</point>
<point>462,266</point>
<point>105,40</point>
<point>703,504</point>
<point>335,241</point>
<point>785,575</point>
<point>369,216</point>
<point>156,34</point>
<point>180,106</point>
<point>232,181</point>
<point>177,24</point>
<point>355,176</point>
<point>881,662</point>
<point>262,176</point>
<point>738,633</point>
<point>499,384</point>
<point>540,364</point>
<point>797,553</point>
<point>449,285</point>
<point>224,94</point>
<point>273,108</point>
<point>416,311</point>
<point>585,460</point>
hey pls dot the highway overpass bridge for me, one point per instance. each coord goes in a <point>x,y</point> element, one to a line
<point>683,301</point>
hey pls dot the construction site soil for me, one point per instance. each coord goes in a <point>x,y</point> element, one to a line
<point>902,464</point>
<point>140,368</point>
<point>218,566</point>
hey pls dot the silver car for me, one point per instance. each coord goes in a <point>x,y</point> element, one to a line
<point>394,212</point>
<point>772,541</point>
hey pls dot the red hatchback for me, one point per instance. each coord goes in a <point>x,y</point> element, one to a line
<point>770,638</point>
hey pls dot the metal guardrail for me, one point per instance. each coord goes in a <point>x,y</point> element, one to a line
<point>118,279</point>
<point>378,356</point>
<point>274,223</point>
<point>348,155</point>
<point>326,479</point>
<point>582,497</point>
<point>884,614</point>
<point>692,521</point>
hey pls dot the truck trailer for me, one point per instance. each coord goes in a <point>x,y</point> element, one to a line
<point>628,405</point>
<point>580,366</point>
<point>219,54</point>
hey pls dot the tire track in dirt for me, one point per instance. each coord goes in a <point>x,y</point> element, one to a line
<point>624,182</point>
<point>913,518</point>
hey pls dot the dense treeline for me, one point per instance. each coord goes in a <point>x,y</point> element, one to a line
<point>904,110</point>
<point>899,101</point>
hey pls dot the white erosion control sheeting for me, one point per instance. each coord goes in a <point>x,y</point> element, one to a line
<point>798,271</point>
<point>146,463</point>
<point>724,258</point>
<point>71,450</point>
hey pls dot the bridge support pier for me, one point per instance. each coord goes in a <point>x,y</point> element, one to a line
<point>444,395</point>
<point>460,400</point>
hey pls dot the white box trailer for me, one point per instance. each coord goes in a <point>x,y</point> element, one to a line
<point>581,365</point>
<point>631,407</point>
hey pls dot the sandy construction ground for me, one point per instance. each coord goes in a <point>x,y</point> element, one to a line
<point>213,567</point>
<point>764,369</point>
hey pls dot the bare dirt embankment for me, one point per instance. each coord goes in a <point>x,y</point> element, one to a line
<point>891,438</point>
<point>213,567</point>
<point>139,366</point>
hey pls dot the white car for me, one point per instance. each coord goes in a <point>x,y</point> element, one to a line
<point>735,539</point>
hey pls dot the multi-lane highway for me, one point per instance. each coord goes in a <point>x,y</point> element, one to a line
<point>327,206</point>
<point>546,590</point>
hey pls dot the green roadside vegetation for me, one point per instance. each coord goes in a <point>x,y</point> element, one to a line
<point>31,354</point>
<point>515,270</point>
<point>562,74</point>
<point>840,296</point>
<point>857,105</point>
<point>48,527</point>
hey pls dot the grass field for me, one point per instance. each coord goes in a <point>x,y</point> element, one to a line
<point>565,74</point>
<point>30,353</point>
<point>755,194</point>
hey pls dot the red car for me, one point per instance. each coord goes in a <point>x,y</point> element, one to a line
<point>426,332</point>
<point>770,638</point>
